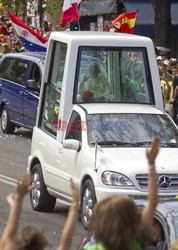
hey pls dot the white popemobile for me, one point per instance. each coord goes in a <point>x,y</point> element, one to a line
<point>98,134</point>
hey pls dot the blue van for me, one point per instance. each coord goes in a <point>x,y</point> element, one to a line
<point>20,80</point>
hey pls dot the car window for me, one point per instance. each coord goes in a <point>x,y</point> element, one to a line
<point>8,69</point>
<point>74,127</point>
<point>35,74</point>
<point>20,68</point>
<point>53,89</point>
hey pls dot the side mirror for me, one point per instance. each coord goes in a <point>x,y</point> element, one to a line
<point>32,85</point>
<point>71,144</point>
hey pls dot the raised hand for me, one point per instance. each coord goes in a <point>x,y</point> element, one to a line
<point>152,150</point>
<point>24,185</point>
<point>75,194</point>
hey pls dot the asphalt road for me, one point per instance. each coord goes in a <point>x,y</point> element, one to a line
<point>14,152</point>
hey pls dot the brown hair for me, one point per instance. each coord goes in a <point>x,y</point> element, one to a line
<point>30,238</point>
<point>115,222</point>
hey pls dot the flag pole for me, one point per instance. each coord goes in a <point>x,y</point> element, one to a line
<point>78,25</point>
<point>95,151</point>
<point>136,16</point>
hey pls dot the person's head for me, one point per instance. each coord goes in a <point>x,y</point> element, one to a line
<point>5,48</point>
<point>174,70</point>
<point>45,26</point>
<point>50,26</point>
<point>93,70</point>
<point>161,72</point>
<point>159,60</point>
<point>115,222</point>
<point>30,238</point>
<point>28,21</point>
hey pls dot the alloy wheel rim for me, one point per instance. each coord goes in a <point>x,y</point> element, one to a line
<point>36,193</point>
<point>4,119</point>
<point>87,205</point>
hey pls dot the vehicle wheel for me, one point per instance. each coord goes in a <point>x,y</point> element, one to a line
<point>40,199</point>
<point>88,200</point>
<point>6,125</point>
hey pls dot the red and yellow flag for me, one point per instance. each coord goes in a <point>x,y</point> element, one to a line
<point>125,22</point>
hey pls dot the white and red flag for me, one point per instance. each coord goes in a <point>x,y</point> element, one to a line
<point>70,12</point>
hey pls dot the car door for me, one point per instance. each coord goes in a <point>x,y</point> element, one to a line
<point>13,77</point>
<point>69,159</point>
<point>31,97</point>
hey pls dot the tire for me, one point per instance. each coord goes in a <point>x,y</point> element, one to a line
<point>6,126</point>
<point>40,199</point>
<point>88,200</point>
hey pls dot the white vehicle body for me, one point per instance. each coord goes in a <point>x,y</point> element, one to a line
<point>118,167</point>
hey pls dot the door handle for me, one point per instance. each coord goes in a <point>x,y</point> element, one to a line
<point>0,84</point>
<point>25,93</point>
<point>21,92</point>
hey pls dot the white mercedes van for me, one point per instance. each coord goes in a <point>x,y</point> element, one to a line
<point>95,126</point>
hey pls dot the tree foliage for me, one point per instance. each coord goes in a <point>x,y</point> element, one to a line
<point>54,9</point>
<point>17,6</point>
<point>162,10</point>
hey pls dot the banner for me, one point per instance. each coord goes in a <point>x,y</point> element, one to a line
<point>31,40</point>
<point>125,22</point>
<point>70,12</point>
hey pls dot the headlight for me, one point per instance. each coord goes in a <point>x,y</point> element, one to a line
<point>115,179</point>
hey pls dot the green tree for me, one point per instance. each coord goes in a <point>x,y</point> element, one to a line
<point>54,9</point>
<point>17,6</point>
<point>162,10</point>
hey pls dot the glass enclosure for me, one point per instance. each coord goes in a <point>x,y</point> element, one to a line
<point>114,75</point>
<point>53,88</point>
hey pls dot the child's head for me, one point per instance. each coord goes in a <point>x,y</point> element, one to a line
<point>30,238</point>
<point>114,222</point>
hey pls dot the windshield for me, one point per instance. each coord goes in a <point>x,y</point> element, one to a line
<point>115,75</point>
<point>133,129</point>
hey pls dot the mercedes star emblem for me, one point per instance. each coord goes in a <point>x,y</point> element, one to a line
<point>164,181</point>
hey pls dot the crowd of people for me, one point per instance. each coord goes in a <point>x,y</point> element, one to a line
<point>168,71</point>
<point>116,223</point>
<point>8,39</point>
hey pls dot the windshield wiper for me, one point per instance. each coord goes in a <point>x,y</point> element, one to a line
<point>115,143</point>
<point>162,144</point>
<point>168,144</point>
<point>143,143</point>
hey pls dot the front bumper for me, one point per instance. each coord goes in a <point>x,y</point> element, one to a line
<point>103,193</point>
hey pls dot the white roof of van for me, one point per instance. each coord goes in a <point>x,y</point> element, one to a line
<point>89,36</point>
<point>93,108</point>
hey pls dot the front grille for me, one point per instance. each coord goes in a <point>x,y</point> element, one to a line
<point>165,181</point>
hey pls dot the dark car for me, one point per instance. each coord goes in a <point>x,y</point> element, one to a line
<point>20,80</point>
